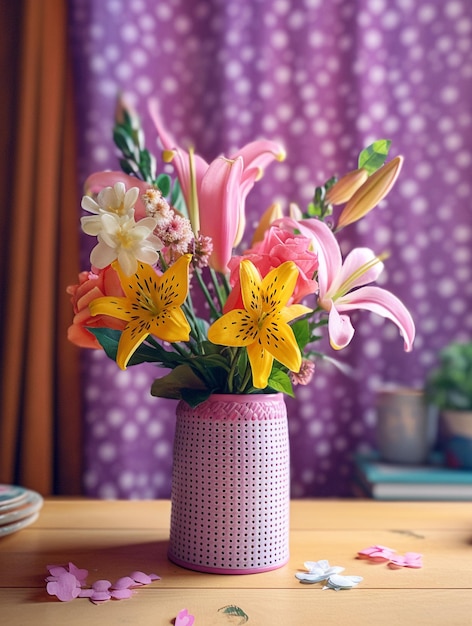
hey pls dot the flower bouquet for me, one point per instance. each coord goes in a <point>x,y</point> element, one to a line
<point>168,284</point>
<point>235,329</point>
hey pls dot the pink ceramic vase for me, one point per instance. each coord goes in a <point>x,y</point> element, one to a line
<point>231,485</point>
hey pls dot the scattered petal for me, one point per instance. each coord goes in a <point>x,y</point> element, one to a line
<point>409,559</point>
<point>338,582</point>
<point>141,578</point>
<point>65,588</point>
<point>80,574</point>
<point>184,618</point>
<point>124,583</point>
<point>317,571</point>
<point>121,594</point>
<point>376,553</point>
<point>101,585</point>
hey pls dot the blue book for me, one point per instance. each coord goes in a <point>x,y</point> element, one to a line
<point>432,481</point>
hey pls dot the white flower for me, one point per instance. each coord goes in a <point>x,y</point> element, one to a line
<point>318,571</point>
<point>124,239</point>
<point>114,200</point>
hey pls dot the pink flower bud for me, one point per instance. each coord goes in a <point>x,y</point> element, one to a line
<point>346,186</point>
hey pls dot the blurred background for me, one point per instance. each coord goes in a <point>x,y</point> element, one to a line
<point>325,79</point>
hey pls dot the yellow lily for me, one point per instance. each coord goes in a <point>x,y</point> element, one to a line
<point>151,305</point>
<point>262,326</point>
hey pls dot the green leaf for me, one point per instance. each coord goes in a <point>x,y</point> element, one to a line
<point>177,199</point>
<point>280,381</point>
<point>123,141</point>
<point>235,611</point>
<point>302,332</point>
<point>172,385</point>
<point>129,167</point>
<point>147,165</point>
<point>164,182</point>
<point>374,156</point>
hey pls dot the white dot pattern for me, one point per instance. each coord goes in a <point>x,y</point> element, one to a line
<point>326,79</point>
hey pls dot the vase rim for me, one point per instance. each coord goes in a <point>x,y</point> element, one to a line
<point>244,397</point>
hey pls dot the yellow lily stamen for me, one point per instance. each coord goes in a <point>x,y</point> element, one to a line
<point>349,283</point>
<point>193,208</point>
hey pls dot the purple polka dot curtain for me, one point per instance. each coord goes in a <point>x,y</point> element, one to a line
<point>325,79</point>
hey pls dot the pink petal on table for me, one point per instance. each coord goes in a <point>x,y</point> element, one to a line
<point>121,594</point>
<point>101,585</point>
<point>141,577</point>
<point>86,593</point>
<point>376,553</point>
<point>80,574</point>
<point>57,570</point>
<point>64,588</point>
<point>410,559</point>
<point>124,583</point>
<point>184,618</point>
<point>100,596</point>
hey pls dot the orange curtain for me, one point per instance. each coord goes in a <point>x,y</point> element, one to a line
<point>40,427</point>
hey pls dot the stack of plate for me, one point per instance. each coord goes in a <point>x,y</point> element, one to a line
<point>19,507</point>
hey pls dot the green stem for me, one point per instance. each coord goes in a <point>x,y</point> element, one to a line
<point>207,294</point>
<point>217,287</point>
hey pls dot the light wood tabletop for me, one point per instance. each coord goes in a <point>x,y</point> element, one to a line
<point>111,539</point>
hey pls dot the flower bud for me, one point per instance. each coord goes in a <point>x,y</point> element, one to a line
<point>346,186</point>
<point>371,192</point>
<point>274,212</point>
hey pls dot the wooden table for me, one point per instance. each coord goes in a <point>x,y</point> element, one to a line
<point>113,538</point>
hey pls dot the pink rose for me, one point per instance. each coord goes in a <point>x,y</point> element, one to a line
<point>90,287</point>
<point>277,247</point>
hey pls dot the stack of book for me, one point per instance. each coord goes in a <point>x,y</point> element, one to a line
<point>387,481</point>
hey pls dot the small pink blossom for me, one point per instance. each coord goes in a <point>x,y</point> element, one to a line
<point>304,376</point>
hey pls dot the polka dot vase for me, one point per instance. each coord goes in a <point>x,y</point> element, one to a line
<point>230,485</point>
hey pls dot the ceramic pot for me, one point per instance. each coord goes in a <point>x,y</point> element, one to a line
<point>458,438</point>
<point>231,485</point>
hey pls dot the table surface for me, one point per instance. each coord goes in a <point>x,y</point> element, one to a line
<point>113,538</point>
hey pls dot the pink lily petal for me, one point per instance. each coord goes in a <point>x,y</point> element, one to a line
<point>181,159</point>
<point>221,208</point>
<point>384,303</point>
<point>184,618</point>
<point>340,329</point>
<point>325,245</point>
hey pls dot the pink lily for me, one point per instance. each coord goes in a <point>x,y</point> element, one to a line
<point>342,285</point>
<point>220,188</point>
<point>98,181</point>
